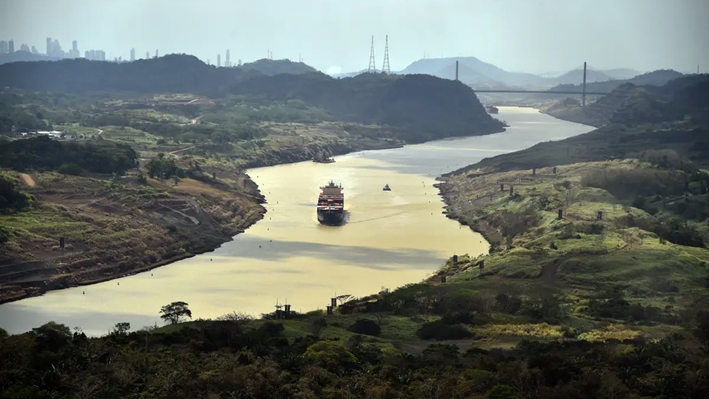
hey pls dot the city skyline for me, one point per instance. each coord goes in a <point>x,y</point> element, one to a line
<point>535,36</point>
<point>54,50</point>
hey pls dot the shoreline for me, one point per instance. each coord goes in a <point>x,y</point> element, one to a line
<point>283,157</point>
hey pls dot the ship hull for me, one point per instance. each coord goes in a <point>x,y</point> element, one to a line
<point>331,218</point>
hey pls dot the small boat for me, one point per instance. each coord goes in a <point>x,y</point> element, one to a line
<point>386,188</point>
<point>491,109</point>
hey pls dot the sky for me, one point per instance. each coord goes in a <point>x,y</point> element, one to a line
<point>537,36</point>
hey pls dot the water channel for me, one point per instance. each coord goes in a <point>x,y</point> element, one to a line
<point>391,239</point>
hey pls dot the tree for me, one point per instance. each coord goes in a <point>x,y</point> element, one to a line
<point>175,312</point>
<point>317,326</point>
<point>366,327</point>
<point>121,328</point>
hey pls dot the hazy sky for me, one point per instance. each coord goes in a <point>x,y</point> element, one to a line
<point>517,35</point>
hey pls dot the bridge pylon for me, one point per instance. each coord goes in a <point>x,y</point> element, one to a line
<point>583,92</point>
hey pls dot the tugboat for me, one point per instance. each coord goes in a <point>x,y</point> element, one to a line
<point>386,188</point>
<point>331,204</point>
<point>322,158</point>
<point>491,109</point>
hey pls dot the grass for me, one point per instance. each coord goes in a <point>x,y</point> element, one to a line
<point>568,253</point>
<point>128,135</point>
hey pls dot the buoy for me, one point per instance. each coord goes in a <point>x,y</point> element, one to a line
<point>83,292</point>
<point>210,259</point>
<point>259,246</point>
<point>119,283</point>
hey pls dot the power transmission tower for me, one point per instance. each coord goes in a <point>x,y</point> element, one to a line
<point>372,66</point>
<point>385,67</point>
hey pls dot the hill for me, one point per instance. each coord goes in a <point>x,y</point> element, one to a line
<point>429,107</point>
<point>274,67</point>
<point>654,78</point>
<point>648,118</point>
<point>421,107</point>
<point>615,219</point>
<point>654,102</point>
<point>24,56</point>
<point>174,73</point>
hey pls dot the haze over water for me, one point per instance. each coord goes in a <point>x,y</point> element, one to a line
<point>391,239</point>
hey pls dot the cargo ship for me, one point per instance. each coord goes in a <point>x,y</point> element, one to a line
<point>331,204</point>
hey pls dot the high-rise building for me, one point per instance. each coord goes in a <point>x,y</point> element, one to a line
<point>25,47</point>
<point>57,48</point>
<point>219,60</point>
<point>34,50</point>
<point>227,61</point>
<point>74,53</point>
<point>156,53</point>
<point>132,54</point>
<point>49,46</point>
<point>95,55</point>
<point>3,47</point>
<point>11,46</point>
<point>147,55</point>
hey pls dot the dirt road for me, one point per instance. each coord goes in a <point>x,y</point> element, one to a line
<point>28,179</point>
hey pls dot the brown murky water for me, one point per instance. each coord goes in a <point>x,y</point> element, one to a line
<point>390,239</point>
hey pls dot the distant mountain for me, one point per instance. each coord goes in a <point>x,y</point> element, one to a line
<point>576,76</point>
<point>276,67</point>
<point>654,78</point>
<point>19,56</point>
<point>472,71</point>
<point>621,73</point>
<point>475,72</point>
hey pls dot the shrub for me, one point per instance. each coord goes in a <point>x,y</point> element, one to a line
<point>438,330</point>
<point>366,327</point>
<point>70,169</point>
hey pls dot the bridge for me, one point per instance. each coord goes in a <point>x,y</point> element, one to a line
<point>583,91</point>
<point>590,93</point>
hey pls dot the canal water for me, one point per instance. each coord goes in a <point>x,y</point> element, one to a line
<point>391,239</point>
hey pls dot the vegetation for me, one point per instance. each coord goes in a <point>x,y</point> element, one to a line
<point>175,312</point>
<point>11,198</point>
<point>594,287</point>
<point>312,356</point>
<point>43,153</point>
<point>641,100</point>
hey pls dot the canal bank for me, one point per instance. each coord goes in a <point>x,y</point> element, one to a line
<point>391,239</point>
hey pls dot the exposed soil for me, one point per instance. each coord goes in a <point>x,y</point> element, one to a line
<point>28,179</point>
